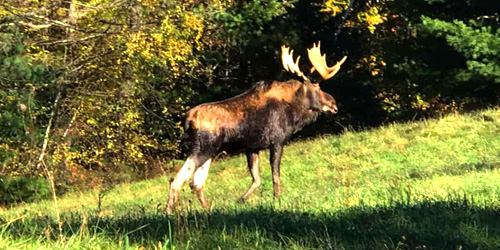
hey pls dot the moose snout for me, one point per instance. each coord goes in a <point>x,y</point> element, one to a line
<point>330,109</point>
<point>335,109</point>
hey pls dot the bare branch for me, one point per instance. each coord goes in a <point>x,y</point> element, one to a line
<point>67,41</point>
<point>35,26</point>
<point>47,131</point>
<point>45,21</point>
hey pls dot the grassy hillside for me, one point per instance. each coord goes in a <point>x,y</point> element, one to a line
<point>427,185</point>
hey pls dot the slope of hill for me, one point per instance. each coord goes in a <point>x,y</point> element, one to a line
<point>431,184</point>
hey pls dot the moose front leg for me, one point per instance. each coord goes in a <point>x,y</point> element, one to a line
<point>276,151</point>
<point>253,167</point>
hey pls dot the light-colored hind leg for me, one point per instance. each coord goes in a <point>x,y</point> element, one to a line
<point>198,183</point>
<point>182,176</point>
<point>253,167</point>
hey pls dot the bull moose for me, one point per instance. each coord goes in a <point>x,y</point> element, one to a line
<point>263,117</point>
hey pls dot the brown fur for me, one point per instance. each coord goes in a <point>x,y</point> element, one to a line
<point>228,113</point>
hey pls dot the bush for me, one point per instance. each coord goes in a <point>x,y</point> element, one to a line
<point>22,189</point>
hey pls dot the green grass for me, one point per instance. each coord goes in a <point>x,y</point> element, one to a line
<point>433,184</point>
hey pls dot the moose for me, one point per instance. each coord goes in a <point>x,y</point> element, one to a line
<point>263,117</point>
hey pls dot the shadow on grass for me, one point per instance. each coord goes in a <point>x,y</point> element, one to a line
<point>438,225</point>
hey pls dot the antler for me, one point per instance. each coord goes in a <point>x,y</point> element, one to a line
<point>288,64</point>
<point>319,63</point>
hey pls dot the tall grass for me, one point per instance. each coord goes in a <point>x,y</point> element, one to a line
<point>432,184</point>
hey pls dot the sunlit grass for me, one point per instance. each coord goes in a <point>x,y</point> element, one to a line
<point>433,183</point>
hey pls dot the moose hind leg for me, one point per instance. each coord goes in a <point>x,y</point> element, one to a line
<point>182,176</point>
<point>198,183</point>
<point>254,168</point>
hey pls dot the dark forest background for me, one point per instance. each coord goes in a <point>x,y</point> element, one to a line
<point>94,92</point>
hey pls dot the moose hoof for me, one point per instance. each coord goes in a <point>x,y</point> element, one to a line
<point>205,205</point>
<point>169,210</point>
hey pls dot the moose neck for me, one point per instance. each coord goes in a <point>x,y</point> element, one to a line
<point>303,114</point>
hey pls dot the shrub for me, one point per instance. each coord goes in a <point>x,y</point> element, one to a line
<point>22,189</point>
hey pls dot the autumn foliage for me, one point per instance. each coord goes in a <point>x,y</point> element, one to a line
<point>100,87</point>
